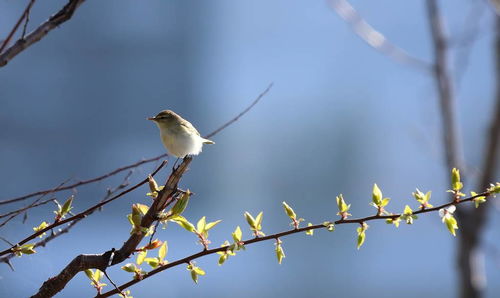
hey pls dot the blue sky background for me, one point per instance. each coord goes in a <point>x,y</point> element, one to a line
<point>340,117</point>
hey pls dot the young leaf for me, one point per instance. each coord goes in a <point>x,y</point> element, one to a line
<point>211,225</point>
<point>141,256</point>
<point>162,252</point>
<point>129,268</point>
<point>451,224</point>
<point>89,274</point>
<point>200,226</point>
<point>42,226</point>
<point>408,215</point>
<point>97,275</point>
<point>478,200</point>
<point>250,220</point>
<point>237,234</point>
<point>67,206</point>
<point>343,207</point>
<point>448,219</point>
<point>183,222</point>
<point>361,234</point>
<point>280,254</point>
<point>376,195</point>
<point>456,184</point>
<point>258,220</point>
<point>153,262</point>
<point>494,188</point>
<point>289,211</point>
<point>181,203</point>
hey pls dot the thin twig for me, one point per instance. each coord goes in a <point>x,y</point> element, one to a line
<point>26,20</point>
<point>36,35</point>
<point>81,214</point>
<point>15,213</point>
<point>374,38</point>
<point>70,225</point>
<point>83,182</point>
<point>20,210</point>
<point>112,282</point>
<point>205,252</point>
<point>7,241</point>
<point>16,26</point>
<point>240,114</point>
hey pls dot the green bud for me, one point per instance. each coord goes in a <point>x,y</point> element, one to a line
<point>153,186</point>
<point>129,268</point>
<point>181,203</point>
<point>310,232</point>
<point>376,195</point>
<point>237,234</point>
<point>456,184</point>
<point>280,254</point>
<point>183,222</point>
<point>89,273</point>
<point>141,256</point>
<point>361,234</point>
<point>289,211</point>
<point>494,188</point>
<point>162,252</point>
<point>67,206</point>
<point>251,221</point>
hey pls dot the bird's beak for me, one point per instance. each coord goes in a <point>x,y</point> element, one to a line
<point>152,118</point>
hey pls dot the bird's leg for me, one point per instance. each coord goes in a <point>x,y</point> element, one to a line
<point>173,168</point>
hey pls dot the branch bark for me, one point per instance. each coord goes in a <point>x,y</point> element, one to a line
<point>100,261</point>
<point>36,35</point>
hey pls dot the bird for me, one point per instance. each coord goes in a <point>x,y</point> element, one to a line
<point>178,135</point>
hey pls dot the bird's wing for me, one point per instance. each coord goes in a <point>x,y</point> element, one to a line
<point>189,126</point>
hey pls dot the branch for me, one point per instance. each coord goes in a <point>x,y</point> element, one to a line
<point>282,234</point>
<point>53,22</point>
<point>240,114</point>
<point>55,284</point>
<point>66,229</point>
<point>15,213</point>
<point>80,215</point>
<point>452,142</point>
<point>374,38</point>
<point>83,182</point>
<point>24,16</point>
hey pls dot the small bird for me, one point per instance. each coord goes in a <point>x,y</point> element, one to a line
<point>178,135</point>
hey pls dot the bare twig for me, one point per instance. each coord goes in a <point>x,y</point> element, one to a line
<point>205,252</point>
<point>16,26</point>
<point>70,225</point>
<point>53,22</point>
<point>374,38</point>
<point>15,213</point>
<point>240,114</point>
<point>6,241</point>
<point>83,182</point>
<point>82,214</point>
<point>26,20</point>
<point>20,210</point>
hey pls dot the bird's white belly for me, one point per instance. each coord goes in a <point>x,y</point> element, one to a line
<point>182,144</point>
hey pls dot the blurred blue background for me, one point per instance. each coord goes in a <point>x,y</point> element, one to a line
<point>340,117</point>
